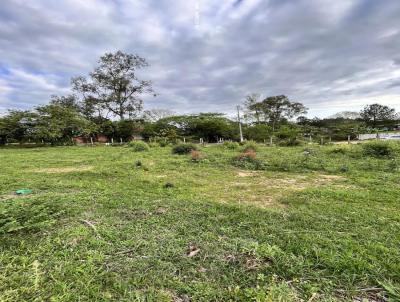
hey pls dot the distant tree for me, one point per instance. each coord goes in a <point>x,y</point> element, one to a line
<point>113,87</point>
<point>275,109</point>
<point>125,129</point>
<point>303,120</point>
<point>209,126</point>
<point>372,114</point>
<point>17,126</point>
<point>59,124</point>
<point>278,108</point>
<point>258,132</point>
<point>288,133</point>
<point>254,108</point>
<point>3,131</point>
<point>154,115</point>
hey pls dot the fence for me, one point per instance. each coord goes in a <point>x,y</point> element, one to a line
<point>391,136</point>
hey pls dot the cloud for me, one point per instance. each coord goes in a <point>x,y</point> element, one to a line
<point>206,55</point>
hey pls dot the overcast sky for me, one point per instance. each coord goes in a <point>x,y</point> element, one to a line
<point>207,55</point>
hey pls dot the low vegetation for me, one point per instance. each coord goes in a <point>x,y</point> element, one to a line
<point>315,223</point>
<point>184,148</point>
<point>378,149</point>
<point>139,146</point>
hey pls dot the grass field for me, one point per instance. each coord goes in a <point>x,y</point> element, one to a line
<point>109,224</point>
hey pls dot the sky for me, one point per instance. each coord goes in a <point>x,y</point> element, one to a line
<point>207,55</point>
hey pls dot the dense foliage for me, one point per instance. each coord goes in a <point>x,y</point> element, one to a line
<point>107,106</point>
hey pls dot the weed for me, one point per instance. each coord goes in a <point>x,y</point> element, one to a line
<point>231,145</point>
<point>154,145</point>
<point>163,143</point>
<point>248,160</point>
<point>168,185</point>
<point>183,149</point>
<point>195,156</point>
<point>23,215</point>
<point>250,145</point>
<point>139,146</point>
<point>138,164</point>
<point>378,149</point>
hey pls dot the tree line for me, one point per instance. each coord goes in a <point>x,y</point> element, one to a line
<point>109,102</point>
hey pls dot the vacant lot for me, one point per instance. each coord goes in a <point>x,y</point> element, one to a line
<point>109,224</point>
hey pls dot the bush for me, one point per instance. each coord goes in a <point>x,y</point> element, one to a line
<point>154,145</point>
<point>163,143</point>
<point>139,146</point>
<point>248,160</point>
<point>250,145</point>
<point>377,149</point>
<point>339,150</point>
<point>183,149</point>
<point>290,143</point>
<point>196,156</point>
<point>231,145</point>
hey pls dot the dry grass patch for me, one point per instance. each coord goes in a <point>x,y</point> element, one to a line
<point>63,170</point>
<point>247,174</point>
<point>259,189</point>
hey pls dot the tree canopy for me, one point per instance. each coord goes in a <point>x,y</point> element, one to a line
<point>273,110</point>
<point>113,87</point>
<point>372,114</point>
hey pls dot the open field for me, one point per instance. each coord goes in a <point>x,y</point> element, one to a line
<point>319,223</point>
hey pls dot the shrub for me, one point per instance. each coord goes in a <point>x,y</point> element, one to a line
<point>377,149</point>
<point>231,145</point>
<point>196,156</point>
<point>139,146</point>
<point>290,142</point>
<point>183,149</point>
<point>339,150</point>
<point>250,145</point>
<point>163,143</point>
<point>248,160</point>
<point>154,145</point>
<point>248,154</point>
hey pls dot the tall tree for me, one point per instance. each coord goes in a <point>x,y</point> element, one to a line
<point>254,107</point>
<point>278,108</point>
<point>275,109</point>
<point>372,114</point>
<point>113,87</point>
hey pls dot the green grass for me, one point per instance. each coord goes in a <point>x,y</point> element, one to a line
<point>317,223</point>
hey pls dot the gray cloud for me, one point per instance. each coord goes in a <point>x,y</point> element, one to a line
<point>331,55</point>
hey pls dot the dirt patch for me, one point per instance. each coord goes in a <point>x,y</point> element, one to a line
<point>63,170</point>
<point>247,174</point>
<point>331,177</point>
<point>265,191</point>
<point>285,183</point>
<point>301,182</point>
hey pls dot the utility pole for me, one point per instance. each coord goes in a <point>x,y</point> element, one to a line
<point>240,124</point>
<point>197,14</point>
